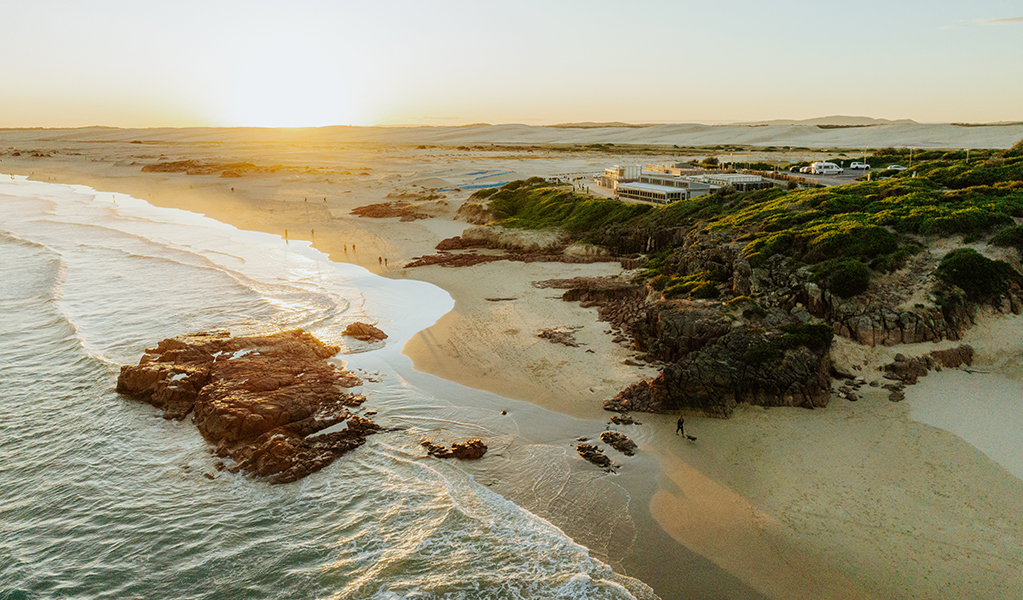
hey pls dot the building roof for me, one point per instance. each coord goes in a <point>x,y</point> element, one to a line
<point>649,187</point>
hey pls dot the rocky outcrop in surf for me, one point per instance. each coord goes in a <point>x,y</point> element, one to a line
<point>469,450</point>
<point>364,332</point>
<point>619,441</point>
<point>262,400</point>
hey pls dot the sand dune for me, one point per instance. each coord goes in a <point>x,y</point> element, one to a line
<point>845,132</point>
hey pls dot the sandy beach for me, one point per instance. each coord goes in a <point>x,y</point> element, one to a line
<point>871,499</point>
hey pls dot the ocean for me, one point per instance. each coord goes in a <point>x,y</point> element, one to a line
<point>103,498</point>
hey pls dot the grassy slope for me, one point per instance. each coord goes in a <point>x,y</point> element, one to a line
<point>830,228</point>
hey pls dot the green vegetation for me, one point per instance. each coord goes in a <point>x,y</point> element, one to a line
<point>865,220</point>
<point>959,173</point>
<point>978,276</point>
<point>534,204</point>
<point>845,233</point>
<point>1010,237</point>
<point>815,336</point>
<point>701,285</point>
<point>845,277</point>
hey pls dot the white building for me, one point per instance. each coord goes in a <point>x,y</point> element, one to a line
<point>619,174</point>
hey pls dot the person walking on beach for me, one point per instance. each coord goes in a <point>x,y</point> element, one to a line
<point>678,426</point>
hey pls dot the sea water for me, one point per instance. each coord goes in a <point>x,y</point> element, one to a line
<point>100,497</point>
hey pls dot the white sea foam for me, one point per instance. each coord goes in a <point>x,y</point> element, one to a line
<point>135,508</point>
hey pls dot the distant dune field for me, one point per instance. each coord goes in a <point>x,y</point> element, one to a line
<point>828,132</point>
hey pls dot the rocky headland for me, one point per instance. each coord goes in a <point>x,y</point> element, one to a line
<point>264,402</point>
<point>737,297</point>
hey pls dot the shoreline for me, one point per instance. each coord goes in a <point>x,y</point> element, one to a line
<point>755,470</point>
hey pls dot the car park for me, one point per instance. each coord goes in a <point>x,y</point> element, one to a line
<point>859,165</point>
<point>825,168</point>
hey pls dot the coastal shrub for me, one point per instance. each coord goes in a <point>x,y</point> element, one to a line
<point>483,194</point>
<point>1015,151</point>
<point>754,310</point>
<point>980,277</point>
<point>865,220</point>
<point>535,204</point>
<point>749,307</point>
<point>758,354</point>
<point>978,171</point>
<point>848,238</point>
<point>814,336</point>
<point>702,285</point>
<point>1011,237</point>
<point>843,277</point>
<point>886,263</point>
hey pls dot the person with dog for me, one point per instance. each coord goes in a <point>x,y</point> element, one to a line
<point>679,428</point>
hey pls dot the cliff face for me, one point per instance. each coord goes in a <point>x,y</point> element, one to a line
<point>762,339</point>
<point>260,399</point>
<point>741,365</point>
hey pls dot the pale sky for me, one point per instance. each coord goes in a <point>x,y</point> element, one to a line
<point>137,63</point>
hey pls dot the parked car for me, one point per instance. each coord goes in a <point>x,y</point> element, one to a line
<point>794,169</point>
<point>896,168</point>
<point>804,169</point>
<point>859,165</point>
<point>825,168</point>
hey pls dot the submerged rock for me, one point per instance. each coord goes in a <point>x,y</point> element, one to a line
<point>259,399</point>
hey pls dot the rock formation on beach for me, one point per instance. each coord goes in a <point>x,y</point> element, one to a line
<point>741,294</point>
<point>364,332</point>
<point>405,211</point>
<point>469,450</point>
<point>595,455</point>
<point>619,441</point>
<point>261,400</point>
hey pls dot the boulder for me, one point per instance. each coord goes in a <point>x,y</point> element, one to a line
<point>469,450</point>
<point>743,365</point>
<point>364,332</point>
<point>595,455</point>
<point>259,399</point>
<point>619,442</point>
<point>908,369</point>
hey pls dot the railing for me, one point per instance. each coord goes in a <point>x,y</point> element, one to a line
<point>782,176</point>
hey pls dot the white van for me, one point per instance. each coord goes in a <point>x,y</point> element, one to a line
<point>825,168</point>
